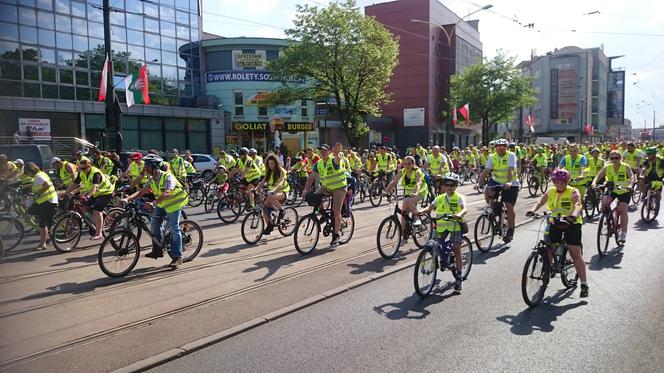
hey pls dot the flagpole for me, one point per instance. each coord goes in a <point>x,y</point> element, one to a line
<point>112,110</point>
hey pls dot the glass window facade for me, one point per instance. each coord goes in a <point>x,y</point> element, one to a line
<point>55,48</point>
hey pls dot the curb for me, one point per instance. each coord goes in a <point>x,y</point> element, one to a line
<point>174,353</point>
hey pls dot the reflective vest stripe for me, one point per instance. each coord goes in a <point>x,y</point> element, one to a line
<point>329,177</point>
<point>176,200</point>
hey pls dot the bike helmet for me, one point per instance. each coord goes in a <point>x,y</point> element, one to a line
<point>451,176</point>
<point>594,150</point>
<point>152,161</point>
<point>243,150</point>
<point>651,151</point>
<point>540,150</point>
<point>55,160</point>
<point>512,144</point>
<point>252,151</point>
<point>18,161</point>
<point>501,142</point>
<point>560,175</point>
<point>221,167</point>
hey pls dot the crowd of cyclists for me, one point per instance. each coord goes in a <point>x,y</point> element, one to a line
<point>427,177</point>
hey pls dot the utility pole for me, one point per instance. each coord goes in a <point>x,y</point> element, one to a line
<point>653,123</point>
<point>112,110</point>
<point>582,124</point>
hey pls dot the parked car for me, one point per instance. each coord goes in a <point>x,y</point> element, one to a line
<point>40,154</point>
<point>205,165</point>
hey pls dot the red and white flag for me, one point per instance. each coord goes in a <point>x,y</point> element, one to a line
<point>103,85</point>
<point>454,115</point>
<point>465,112</point>
<point>530,123</point>
<point>588,129</point>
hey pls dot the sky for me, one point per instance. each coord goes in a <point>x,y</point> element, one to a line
<point>632,28</point>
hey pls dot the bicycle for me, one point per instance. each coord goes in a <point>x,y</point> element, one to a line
<point>390,232</point>
<point>122,246</point>
<point>253,225</point>
<point>212,196</point>
<point>591,201</point>
<point>308,229</point>
<point>362,186</point>
<point>12,232</point>
<point>537,182</point>
<point>650,208</point>
<point>233,204</point>
<point>376,189</point>
<point>67,229</point>
<point>439,254</point>
<point>491,222</point>
<point>609,223</point>
<point>295,195</point>
<point>544,262</point>
<point>196,190</point>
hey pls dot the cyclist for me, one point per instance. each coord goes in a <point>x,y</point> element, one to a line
<point>414,188</point>
<point>249,173</point>
<point>8,169</point>
<point>575,164</point>
<point>383,161</point>
<point>632,156</point>
<point>65,170</point>
<point>618,174</point>
<point>226,160</point>
<point>438,165</point>
<point>46,200</point>
<point>190,169</point>
<point>653,171</point>
<point>564,201</point>
<point>253,154</point>
<point>541,163</point>
<point>333,182</point>
<point>135,170</point>
<point>103,163</point>
<point>96,192</point>
<point>502,166</point>
<point>177,166</point>
<point>170,199</point>
<point>221,178</point>
<point>24,179</point>
<point>595,164</point>
<point>277,185</point>
<point>450,202</point>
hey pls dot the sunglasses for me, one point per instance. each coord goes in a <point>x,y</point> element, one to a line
<point>449,184</point>
<point>614,158</point>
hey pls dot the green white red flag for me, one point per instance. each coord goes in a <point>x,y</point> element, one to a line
<point>136,87</point>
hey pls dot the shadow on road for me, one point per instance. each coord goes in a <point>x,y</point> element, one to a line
<point>542,317</point>
<point>481,258</point>
<point>642,226</point>
<point>231,249</point>
<point>414,307</point>
<point>376,265</point>
<point>274,265</point>
<point>26,255</point>
<point>610,261</point>
<point>92,258</point>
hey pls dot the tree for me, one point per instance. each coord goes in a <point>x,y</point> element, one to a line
<point>342,54</point>
<point>493,89</point>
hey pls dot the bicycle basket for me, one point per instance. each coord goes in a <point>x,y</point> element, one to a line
<point>314,199</point>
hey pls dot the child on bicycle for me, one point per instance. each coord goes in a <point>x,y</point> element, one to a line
<point>564,201</point>
<point>450,202</point>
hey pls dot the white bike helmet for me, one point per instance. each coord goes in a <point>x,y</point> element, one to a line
<point>451,176</point>
<point>501,142</point>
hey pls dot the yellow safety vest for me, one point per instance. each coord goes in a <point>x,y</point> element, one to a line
<point>561,205</point>
<point>383,162</point>
<point>253,172</point>
<point>48,193</point>
<point>272,182</point>
<point>594,167</point>
<point>631,158</point>
<point>500,167</point>
<point>65,176</point>
<point>176,200</point>
<point>437,166</point>
<point>409,183</point>
<point>189,168</point>
<point>446,204</point>
<point>228,161</point>
<point>329,177</point>
<point>656,166</point>
<point>619,178</point>
<point>104,188</point>
<point>177,168</point>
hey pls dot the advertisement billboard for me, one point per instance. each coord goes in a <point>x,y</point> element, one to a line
<point>35,128</point>
<point>615,108</point>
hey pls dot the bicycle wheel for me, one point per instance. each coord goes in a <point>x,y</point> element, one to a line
<point>291,196</point>
<point>589,204</point>
<point>11,232</point>
<point>426,269</point>
<point>347,229</point>
<point>484,233</point>
<point>210,201</point>
<point>533,186</point>
<point>466,257</point>
<point>192,239</point>
<point>424,232</point>
<point>229,209</point>
<point>473,176</point>
<point>196,196</point>
<point>109,219</point>
<point>544,185</point>
<point>650,210</point>
<point>119,253</point>
<point>307,233</point>
<point>66,232</point>
<point>636,194</point>
<point>375,194</point>
<point>567,270</point>
<point>252,227</point>
<point>362,190</point>
<point>604,233</point>
<point>288,221</point>
<point>30,221</point>
<point>534,279</point>
<point>388,237</point>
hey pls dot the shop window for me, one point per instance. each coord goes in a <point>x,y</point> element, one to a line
<point>239,103</point>
<point>262,109</point>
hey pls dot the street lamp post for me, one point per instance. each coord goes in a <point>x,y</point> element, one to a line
<point>449,35</point>
<point>653,117</point>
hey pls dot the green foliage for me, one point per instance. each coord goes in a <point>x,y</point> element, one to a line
<point>493,89</point>
<point>345,55</point>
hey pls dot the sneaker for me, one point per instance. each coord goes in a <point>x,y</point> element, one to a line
<point>175,263</point>
<point>268,230</point>
<point>458,285</point>
<point>622,236</point>
<point>40,248</point>
<point>509,235</point>
<point>154,254</point>
<point>335,239</point>
<point>97,237</point>
<point>584,291</point>
<point>417,222</point>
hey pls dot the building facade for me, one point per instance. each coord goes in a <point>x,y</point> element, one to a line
<point>236,74</point>
<point>421,104</point>
<point>52,55</point>
<point>571,86</point>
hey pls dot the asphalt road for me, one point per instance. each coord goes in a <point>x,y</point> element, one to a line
<point>384,326</point>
